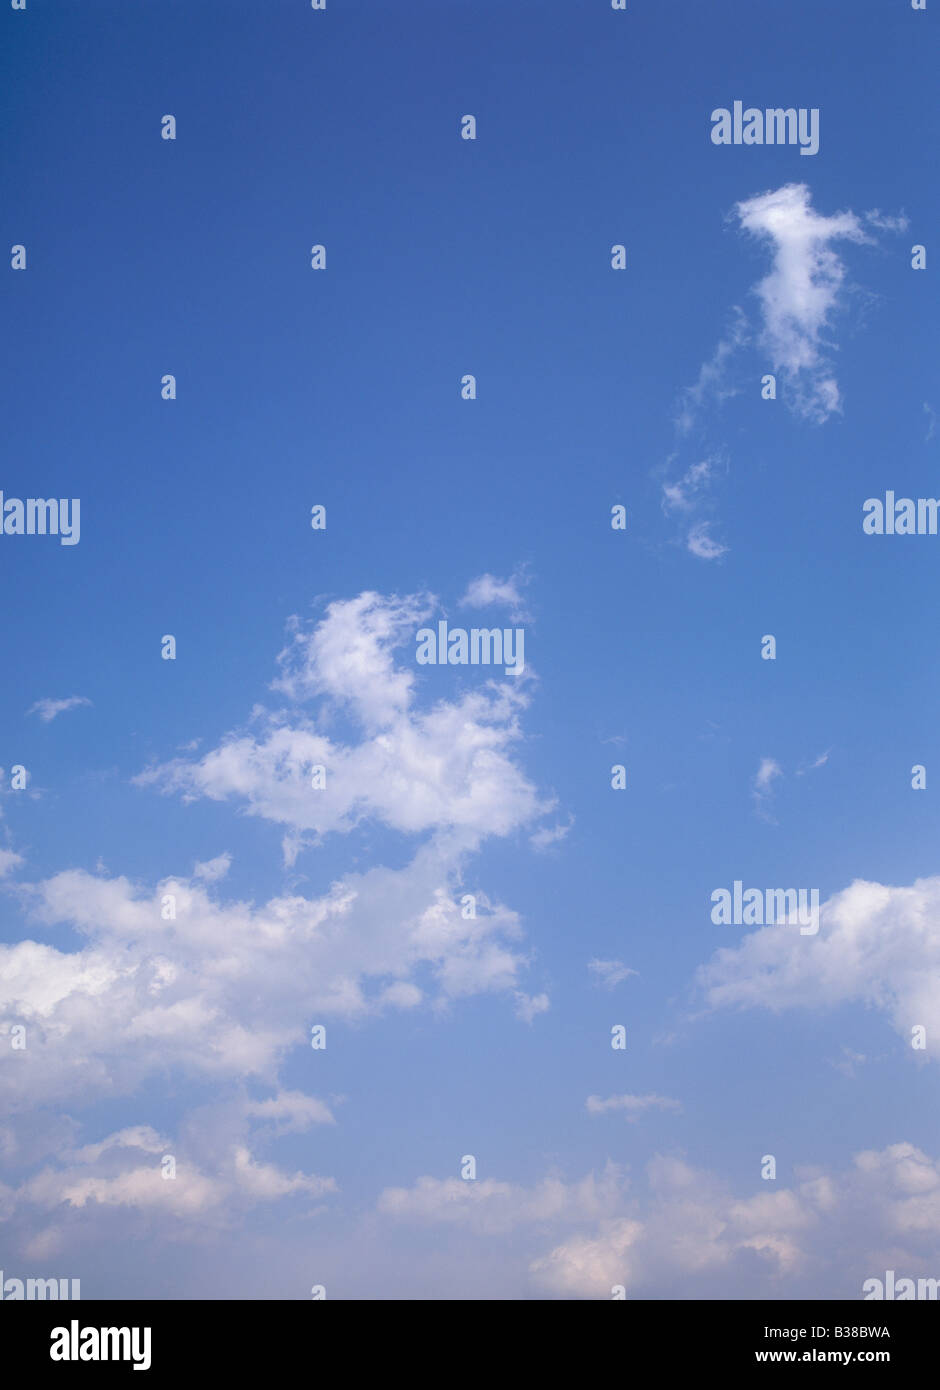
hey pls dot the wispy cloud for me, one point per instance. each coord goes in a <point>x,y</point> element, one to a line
<point>632,1106</point>
<point>811,767</point>
<point>49,709</point>
<point>713,383</point>
<point>529,1006</point>
<point>701,543</point>
<point>849,1061</point>
<point>9,860</point>
<point>545,838</point>
<point>885,222</point>
<point>762,786</point>
<point>685,492</point>
<point>211,870</point>
<point>798,300</point>
<point>690,494</point>
<point>610,972</point>
<point>487,591</point>
<point>800,294</point>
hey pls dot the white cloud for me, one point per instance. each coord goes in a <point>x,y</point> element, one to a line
<point>543,839</point>
<point>446,769</point>
<point>768,770</point>
<point>685,1233</point>
<point>492,1207</point>
<point>819,762</point>
<point>688,494</point>
<point>487,591</point>
<point>610,972</point>
<point>529,1006</point>
<point>685,493</point>
<point>762,787</point>
<point>586,1265</point>
<point>633,1106</point>
<point>877,946</point>
<point>798,300</point>
<point>348,656</point>
<point>800,294</point>
<point>48,709</point>
<point>886,222</point>
<point>114,1174</point>
<point>9,860</point>
<point>226,988</point>
<point>211,870</point>
<point>290,1112</point>
<point>848,1062</point>
<point>712,383</point>
<point>700,542</point>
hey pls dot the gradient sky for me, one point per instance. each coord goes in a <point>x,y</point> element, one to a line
<point>448,1037</point>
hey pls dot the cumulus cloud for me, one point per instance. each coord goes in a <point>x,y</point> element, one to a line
<point>877,946</point>
<point>175,974</point>
<point>347,656</point>
<point>228,988</point>
<point>683,1232</point>
<point>126,1170</point>
<point>445,769</point>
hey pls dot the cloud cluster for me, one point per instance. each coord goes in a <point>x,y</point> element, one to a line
<point>175,979</point>
<point>684,1233</point>
<point>170,1188</point>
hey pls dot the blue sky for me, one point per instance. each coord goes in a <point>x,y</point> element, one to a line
<point>595,387</point>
